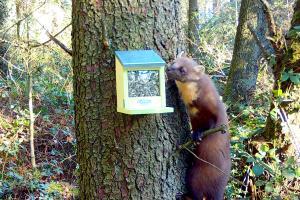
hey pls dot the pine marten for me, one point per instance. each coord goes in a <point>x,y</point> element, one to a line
<point>206,111</point>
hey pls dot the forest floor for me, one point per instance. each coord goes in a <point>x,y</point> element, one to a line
<point>54,149</point>
<point>57,170</point>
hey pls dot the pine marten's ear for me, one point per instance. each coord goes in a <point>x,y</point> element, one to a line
<point>200,69</point>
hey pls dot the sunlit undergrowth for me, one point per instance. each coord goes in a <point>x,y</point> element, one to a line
<point>267,169</point>
<point>216,55</point>
<point>54,177</point>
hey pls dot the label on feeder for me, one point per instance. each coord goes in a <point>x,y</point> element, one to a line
<point>137,103</point>
<point>144,102</point>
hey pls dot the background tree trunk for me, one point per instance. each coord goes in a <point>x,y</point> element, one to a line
<point>216,7</point>
<point>241,82</point>
<point>18,14</point>
<point>193,35</point>
<point>3,45</point>
<point>122,156</point>
<point>290,60</point>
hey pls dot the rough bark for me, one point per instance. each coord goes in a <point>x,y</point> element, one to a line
<point>287,58</point>
<point>241,83</point>
<point>122,156</point>
<point>18,14</point>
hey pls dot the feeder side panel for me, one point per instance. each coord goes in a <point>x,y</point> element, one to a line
<point>162,86</point>
<point>119,84</point>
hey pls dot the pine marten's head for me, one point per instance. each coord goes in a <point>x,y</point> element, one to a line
<point>184,69</point>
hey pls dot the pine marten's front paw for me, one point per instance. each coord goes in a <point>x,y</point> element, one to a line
<point>182,196</point>
<point>197,135</point>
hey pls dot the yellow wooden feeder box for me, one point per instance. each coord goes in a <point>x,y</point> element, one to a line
<point>140,84</point>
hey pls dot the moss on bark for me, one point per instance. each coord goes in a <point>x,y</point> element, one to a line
<point>241,82</point>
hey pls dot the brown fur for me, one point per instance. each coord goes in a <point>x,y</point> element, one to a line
<point>206,111</point>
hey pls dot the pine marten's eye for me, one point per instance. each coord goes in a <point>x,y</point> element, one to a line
<point>182,70</point>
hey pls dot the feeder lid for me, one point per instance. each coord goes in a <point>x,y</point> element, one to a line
<point>140,58</point>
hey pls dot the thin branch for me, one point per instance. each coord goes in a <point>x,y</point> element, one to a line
<point>11,43</point>
<point>214,166</point>
<point>14,66</point>
<point>44,43</point>
<point>60,44</point>
<point>26,16</point>
<point>205,161</point>
<point>223,127</point>
<point>258,42</point>
<point>270,19</point>
<point>56,41</point>
<point>276,38</point>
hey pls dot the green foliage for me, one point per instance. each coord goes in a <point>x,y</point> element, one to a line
<point>290,75</point>
<point>294,32</point>
<point>54,177</point>
<point>16,177</point>
<point>217,38</point>
<point>32,185</point>
<point>272,174</point>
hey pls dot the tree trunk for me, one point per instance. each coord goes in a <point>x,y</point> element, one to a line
<point>18,14</point>
<point>30,94</point>
<point>124,156</point>
<point>216,7</point>
<point>241,83</point>
<point>193,32</point>
<point>3,45</point>
<point>31,117</point>
<point>236,12</point>
<point>289,60</point>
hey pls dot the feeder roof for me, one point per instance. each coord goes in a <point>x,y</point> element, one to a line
<point>140,58</point>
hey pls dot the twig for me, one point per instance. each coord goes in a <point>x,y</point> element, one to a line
<point>223,127</point>
<point>26,16</point>
<point>258,42</point>
<point>214,166</point>
<point>270,19</point>
<point>56,41</point>
<point>283,116</point>
<point>60,44</point>
<point>11,43</point>
<point>14,66</point>
<point>185,146</point>
<point>276,37</point>
<point>67,158</point>
<point>44,43</point>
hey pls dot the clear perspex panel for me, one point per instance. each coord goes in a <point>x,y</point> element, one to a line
<point>142,83</point>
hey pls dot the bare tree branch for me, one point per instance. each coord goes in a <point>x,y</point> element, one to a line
<point>44,43</point>
<point>276,38</point>
<point>11,43</point>
<point>22,19</point>
<point>56,41</point>
<point>60,44</point>
<point>258,42</point>
<point>270,19</point>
